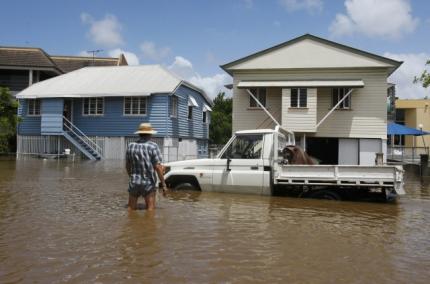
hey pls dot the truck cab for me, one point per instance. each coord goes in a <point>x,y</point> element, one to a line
<point>245,164</point>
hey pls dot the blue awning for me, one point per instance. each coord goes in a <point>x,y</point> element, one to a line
<point>398,129</point>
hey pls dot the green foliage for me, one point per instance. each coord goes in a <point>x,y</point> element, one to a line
<point>424,79</point>
<point>8,119</point>
<point>220,127</point>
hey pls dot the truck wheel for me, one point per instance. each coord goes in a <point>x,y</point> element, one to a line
<point>325,194</point>
<point>185,186</point>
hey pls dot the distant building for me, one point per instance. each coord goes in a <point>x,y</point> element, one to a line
<point>95,111</point>
<point>415,114</point>
<point>20,67</point>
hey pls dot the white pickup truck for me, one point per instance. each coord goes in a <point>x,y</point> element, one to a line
<point>252,162</point>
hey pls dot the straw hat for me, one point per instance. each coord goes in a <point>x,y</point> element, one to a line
<point>145,128</point>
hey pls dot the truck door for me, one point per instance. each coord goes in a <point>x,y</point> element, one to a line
<point>244,172</point>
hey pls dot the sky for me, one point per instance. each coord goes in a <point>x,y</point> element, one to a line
<point>194,37</point>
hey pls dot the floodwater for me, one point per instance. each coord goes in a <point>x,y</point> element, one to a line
<point>67,222</point>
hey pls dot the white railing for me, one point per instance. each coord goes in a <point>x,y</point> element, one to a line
<point>403,153</point>
<point>78,133</point>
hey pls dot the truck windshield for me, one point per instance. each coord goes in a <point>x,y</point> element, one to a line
<point>245,147</point>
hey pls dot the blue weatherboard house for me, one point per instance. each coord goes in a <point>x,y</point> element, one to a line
<point>94,111</point>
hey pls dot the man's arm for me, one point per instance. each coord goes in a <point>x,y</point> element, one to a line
<point>156,162</point>
<point>160,172</point>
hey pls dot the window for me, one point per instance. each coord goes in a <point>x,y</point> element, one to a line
<point>205,117</point>
<point>338,94</point>
<point>245,147</point>
<point>135,106</point>
<point>191,104</point>
<point>93,106</point>
<point>174,106</point>
<point>190,112</point>
<point>400,116</point>
<point>299,98</point>
<point>33,107</point>
<point>260,94</point>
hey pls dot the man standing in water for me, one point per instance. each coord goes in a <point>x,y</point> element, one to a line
<point>143,160</point>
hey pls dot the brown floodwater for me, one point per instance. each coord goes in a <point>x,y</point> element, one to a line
<point>66,222</point>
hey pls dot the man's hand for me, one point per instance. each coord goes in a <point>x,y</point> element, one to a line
<point>163,188</point>
<point>160,169</point>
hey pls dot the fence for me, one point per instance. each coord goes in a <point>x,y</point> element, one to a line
<point>112,148</point>
<point>406,154</point>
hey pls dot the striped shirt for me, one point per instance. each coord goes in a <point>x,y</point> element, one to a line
<point>142,156</point>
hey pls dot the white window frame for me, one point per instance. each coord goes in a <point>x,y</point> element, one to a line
<point>174,100</point>
<point>31,107</point>
<point>258,95</point>
<point>299,95</point>
<point>344,103</point>
<point>133,99</point>
<point>96,106</point>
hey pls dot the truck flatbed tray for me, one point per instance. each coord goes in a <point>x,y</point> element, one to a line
<point>341,175</point>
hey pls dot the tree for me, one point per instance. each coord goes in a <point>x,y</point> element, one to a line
<point>424,79</point>
<point>8,120</point>
<point>220,127</point>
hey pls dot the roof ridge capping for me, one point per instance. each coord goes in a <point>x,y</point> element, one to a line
<point>20,48</point>
<point>116,66</point>
<point>83,57</point>
<point>393,62</point>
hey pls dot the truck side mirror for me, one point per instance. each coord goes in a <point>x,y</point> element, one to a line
<point>228,164</point>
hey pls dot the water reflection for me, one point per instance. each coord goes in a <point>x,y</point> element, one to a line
<point>67,222</point>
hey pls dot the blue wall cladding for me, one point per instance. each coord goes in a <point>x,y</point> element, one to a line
<point>189,128</point>
<point>52,116</point>
<point>20,110</point>
<point>113,122</point>
<point>29,125</point>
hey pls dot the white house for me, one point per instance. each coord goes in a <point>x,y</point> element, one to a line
<point>331,95</point>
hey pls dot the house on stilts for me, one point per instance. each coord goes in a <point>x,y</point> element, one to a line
<point>94,111</point>
<point>331,95</point>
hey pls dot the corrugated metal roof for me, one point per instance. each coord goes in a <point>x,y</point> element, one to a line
<point>37,58</point>
<point>71,63</point>
<point>25,57</point>
<point>110,81</point>
<point>302,83</point>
